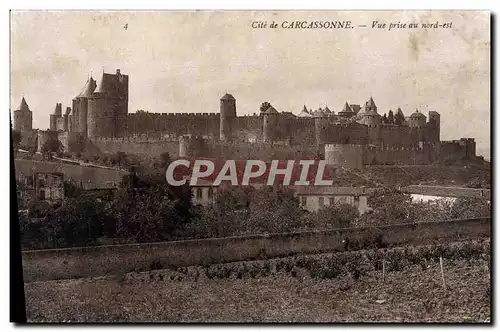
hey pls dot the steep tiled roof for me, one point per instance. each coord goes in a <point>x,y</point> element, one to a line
<point>88,88</point>
<point>271,110</point>
<point>417,114</point>
<point>304,113</point>
<point>23,106</point>
<point>370,103</point>
<point>347,108</point>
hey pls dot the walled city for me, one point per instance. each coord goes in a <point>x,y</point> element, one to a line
<point>99,121</point>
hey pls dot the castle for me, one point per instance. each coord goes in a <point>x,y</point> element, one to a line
<point>99,122</point>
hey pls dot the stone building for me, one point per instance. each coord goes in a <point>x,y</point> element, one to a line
<point>48,187</point>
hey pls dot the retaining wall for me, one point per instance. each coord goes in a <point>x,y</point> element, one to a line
<point>104,260</point>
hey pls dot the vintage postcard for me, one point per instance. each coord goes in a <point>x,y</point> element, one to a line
<point>252,166</point>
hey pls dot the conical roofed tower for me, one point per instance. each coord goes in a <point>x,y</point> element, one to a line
<point>23,117</point>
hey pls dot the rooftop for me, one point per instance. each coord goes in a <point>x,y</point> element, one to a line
<point>23,106</point>
<point>228,96</point>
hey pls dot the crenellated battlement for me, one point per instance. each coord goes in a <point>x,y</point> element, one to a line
<point>129,139</point>
<point>392,148</point>
<point>357,155</point>
<point>174,115</point>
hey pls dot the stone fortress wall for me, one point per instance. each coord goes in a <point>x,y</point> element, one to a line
<point>99,122</point>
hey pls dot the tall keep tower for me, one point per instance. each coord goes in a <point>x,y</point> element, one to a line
<point>434,126</point>
<point>227,115</point>
<point>23,118</point>
<point>108,107</point>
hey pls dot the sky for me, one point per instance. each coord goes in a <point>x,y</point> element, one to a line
<point>185,61</point>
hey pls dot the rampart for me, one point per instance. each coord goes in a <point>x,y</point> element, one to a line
<point>137,145</point>
<point>356,155</point>
<point>79,174</point>
<point>258,150</point>
<point>105,260</point>
<point>72,142</point>
<point>29,139</point>
<point>174,123</point>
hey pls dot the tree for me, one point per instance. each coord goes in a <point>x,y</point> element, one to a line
<point>165,159</point>
<point>390,206</point>
<point>470,207</point>
<point>333,216</point>
<point>146,216</point>
<point>145,188</point>
<point>120,158</point>
<point>226,217</point>
<point>78,222</point>
<point>384,118</point>
<point>274,210</point>
<point>51,146</point>
<point>71,190</point>
<point>399,118</point>
<point>39,209</point>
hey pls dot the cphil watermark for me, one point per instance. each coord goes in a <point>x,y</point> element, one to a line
<point>298,173</point>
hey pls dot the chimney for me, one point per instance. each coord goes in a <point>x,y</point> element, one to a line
<point>118,72</point>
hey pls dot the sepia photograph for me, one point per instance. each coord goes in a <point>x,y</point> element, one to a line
<point>251,166</point>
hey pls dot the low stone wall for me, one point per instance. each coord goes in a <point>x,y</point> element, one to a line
<point>105,260</point>
<point>448,191</point>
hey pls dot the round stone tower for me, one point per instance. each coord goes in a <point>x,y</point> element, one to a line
<point>417,124</point>
<point>344,155</point>
<point>23,118</point>
<point>99,114</point>
<point>417,120</point>
<point>80,107</point>
<point>270,123</point>
<point>227,115</point>
<point>320,126</point>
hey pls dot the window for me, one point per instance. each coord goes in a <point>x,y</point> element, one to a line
<point>303,201</point>
<point>199,193</point>
<point>41,195</point>
<point>210,192</point>
<point>321,201</point>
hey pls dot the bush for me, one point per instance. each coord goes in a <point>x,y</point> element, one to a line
<point>356,264</point>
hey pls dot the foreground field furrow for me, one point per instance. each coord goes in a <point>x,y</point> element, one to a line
<point>411,293</point>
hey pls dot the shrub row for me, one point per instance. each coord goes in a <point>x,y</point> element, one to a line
<point>328,266</point>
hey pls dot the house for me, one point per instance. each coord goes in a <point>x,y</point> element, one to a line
<point>40,186</point>
<point>313,198</point>
<point>204,192</point>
